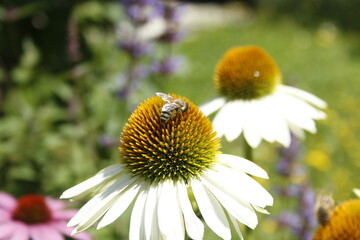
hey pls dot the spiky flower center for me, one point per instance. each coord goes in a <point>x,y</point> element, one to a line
<point>32,209</point>
<point>246,73</point>
<point>344,223</point>
<point>178,149</point>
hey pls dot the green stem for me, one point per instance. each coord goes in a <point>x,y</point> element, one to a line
<point>248,151</point>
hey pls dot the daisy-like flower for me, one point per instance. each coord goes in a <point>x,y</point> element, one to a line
<point>254,101</point>
<point>163,162</point>
<point>34,217</point>
<point>342,222</point>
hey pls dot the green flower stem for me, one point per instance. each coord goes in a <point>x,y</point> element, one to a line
<point>248,151</point>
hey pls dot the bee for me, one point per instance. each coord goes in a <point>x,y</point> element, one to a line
<point>324,207</point>
<point>171,107</point>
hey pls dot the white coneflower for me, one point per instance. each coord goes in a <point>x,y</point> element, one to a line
<point>161,163</point>
<point>254,102</point>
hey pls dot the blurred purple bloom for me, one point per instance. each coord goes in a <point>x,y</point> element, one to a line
<point>290,220</point>
<point>141,11</point>
<point>131,80</point>
<point>173,11</point>
<point>302,220</point>
<point>289,191</point>
<point>107,141</point>
<point>168,66</point>
<point>136,48</point>
<point>307,205</point>
<point>172,35</point>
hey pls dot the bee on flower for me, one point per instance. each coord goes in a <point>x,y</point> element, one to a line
<point>342,221</point>
<point>162,165</point>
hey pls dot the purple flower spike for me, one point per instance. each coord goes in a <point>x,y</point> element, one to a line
<point>290,220</point>
<point>302,220</point>
<point>172,35</point>
<point>136,48</point>
<point>168,66</point>
<point>140,12</point>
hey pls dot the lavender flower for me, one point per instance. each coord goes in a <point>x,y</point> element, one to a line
<point>168,66</point>
<point>131,80</point>
<point>302,221</point>
<point>171,15</point>
<point>136,48</point>
<point>141,11</point>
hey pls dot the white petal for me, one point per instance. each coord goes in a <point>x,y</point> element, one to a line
<point>211,210</point>
<point>150,218</point>
<point>92,182</point>
<point>212,106</point>
<point>236,119</point>
<point>245,189</point>
<point>137,231</point>
<point>270,123</point>
<point>262,116</point>
<point>296,112</point>
<point>241,210</point>
<point>304,95</point>
<point>357,191</point>
<point>236,226</point>
<point>170,219</point>
<point>122,203</point>
<point>222,121</point>
<point>251,134</point>
<point>194,226</point>
<point>243,165</point>
<point>301,107</point>
<point>261,210</point>
<point>98,205</point>
<point>297,131</point>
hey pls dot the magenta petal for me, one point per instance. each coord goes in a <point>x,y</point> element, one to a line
<point>4,215</point>
<point>21,232</point>
<point>64,214</point>
<point>7,201</point>
<point>6,230</point>
<point>67,231</point>
<point>55,204</point>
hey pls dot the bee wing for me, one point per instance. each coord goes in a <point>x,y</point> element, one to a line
<point>165,97</point>
<point>168,107</point>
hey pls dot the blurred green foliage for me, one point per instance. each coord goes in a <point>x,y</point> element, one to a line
<point>54,59</point>
<point>343,13</point>
<point>60,119</point>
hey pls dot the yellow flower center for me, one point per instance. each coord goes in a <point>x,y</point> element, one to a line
<point>178,149</point>
<point>246,73</point>
<point>344,223</point>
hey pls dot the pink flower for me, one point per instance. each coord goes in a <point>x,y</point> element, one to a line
<point>35,217</point>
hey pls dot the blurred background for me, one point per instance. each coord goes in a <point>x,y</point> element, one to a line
<point>72,71</point>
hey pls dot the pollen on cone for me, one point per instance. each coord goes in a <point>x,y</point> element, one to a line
<point>246,72</point>
<point>178,149</point>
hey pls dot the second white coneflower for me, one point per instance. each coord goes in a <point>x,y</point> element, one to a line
<point>161,162</point>
<point>254,102</point>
